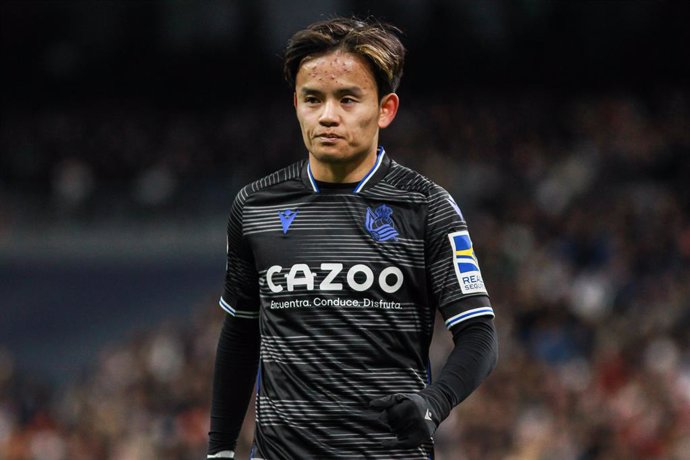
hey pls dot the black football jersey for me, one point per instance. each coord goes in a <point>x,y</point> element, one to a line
<point>345,285</point>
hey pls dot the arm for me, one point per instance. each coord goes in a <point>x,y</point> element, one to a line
<point>237,356</point>
<point>457,288</point>
<point>415,417</point>
<point>472,359</point>
<point>234,376</point>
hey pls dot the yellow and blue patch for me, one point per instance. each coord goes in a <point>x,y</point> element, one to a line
<point>466,263</point>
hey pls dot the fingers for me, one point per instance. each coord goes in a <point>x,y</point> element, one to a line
<point>400,443</point>
<point>386,401</point>
<point>400,416</point>
<point>404,414</point>
<point>383,418</point>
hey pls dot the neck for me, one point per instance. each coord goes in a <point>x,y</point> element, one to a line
<point>346,172</point>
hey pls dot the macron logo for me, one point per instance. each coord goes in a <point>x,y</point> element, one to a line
<point>428,415</point>
<point>286,218</point>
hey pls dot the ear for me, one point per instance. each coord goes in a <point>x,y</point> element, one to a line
<point>294,99</point>
<point>388,108</point>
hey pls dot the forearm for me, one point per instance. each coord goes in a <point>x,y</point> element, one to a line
<point>236,364</point>
<point>472,359</point>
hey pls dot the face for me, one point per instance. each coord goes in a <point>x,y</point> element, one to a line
<point>338,109</point>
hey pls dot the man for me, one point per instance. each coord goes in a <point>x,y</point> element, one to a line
<point>336,266</point>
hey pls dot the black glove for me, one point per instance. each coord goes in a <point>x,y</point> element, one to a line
<point>409,416</point>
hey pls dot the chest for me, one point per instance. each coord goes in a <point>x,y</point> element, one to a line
<point>333,228</point>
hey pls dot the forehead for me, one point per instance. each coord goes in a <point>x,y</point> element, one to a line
<point>339,68</point>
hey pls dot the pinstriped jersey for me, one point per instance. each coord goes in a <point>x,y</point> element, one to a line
<point>345,286</point>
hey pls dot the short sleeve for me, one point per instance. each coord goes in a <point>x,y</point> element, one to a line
<point>455,278</point>
<point>241,293</point>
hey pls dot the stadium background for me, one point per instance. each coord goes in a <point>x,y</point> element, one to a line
<point>561,128</point>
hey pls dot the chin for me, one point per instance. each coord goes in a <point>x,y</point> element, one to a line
<point>332,155</point>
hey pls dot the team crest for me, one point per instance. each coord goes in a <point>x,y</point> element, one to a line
<point>379,223</point>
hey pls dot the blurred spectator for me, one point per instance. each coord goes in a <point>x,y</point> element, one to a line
<point>581,212</point>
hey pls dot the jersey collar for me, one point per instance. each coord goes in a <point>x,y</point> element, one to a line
<point>375,174</point>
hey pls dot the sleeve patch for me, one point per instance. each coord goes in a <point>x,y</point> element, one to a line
<point>466,264</point>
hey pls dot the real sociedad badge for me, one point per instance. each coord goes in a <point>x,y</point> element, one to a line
<point>466,263</point>
<point>379,223</point>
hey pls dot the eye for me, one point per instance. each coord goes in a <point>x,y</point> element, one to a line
<point>311,99</point>
<point>348,100</point>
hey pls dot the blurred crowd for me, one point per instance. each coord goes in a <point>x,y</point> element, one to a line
<point>579,207</point>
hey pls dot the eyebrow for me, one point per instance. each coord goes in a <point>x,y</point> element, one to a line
<point>354,90</point>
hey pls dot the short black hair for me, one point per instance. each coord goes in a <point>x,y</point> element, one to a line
<point>377,42</point>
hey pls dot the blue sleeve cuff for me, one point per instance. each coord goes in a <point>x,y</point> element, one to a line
<point>459,318</point>
<point>245,314</point>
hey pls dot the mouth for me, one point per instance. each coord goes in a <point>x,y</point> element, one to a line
<point>328,137</point>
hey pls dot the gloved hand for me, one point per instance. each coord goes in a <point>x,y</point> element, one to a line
<point>409,416</point>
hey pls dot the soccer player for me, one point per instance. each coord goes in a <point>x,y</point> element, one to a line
<point>336,266</point>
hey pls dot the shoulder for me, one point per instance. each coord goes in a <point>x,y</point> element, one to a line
<point>439,205</point>
<point>273,183</point>
<point>407,180</point>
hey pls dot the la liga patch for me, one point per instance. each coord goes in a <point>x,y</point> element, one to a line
<point>466,263</point>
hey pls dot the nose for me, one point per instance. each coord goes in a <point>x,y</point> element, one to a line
<point>329,114</point>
